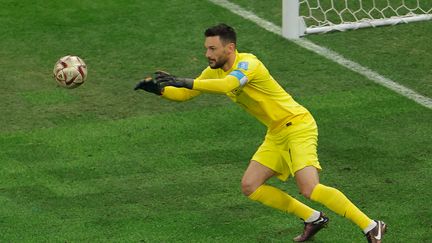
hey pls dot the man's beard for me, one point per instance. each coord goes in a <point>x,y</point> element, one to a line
<point>217,64</point>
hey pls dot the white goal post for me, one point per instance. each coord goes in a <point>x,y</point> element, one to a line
<point>303,17</point>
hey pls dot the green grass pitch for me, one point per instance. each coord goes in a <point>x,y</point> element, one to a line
<point>102,163</point>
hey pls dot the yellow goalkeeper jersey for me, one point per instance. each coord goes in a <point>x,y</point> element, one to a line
<point>249,84</point>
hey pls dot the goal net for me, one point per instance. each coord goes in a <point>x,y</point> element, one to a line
<point>302,17</point>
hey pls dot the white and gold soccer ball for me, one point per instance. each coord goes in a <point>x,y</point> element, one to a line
<point>70,71</point>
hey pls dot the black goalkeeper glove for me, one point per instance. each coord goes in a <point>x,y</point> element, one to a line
<point>150,85</point>
<point>163,76</point>
<point>166,79</point>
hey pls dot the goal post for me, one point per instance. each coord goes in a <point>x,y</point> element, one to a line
<point>303,17</point>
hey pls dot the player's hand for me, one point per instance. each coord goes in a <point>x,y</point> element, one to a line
<point>166,79</point>
<point>150,85</point>
<point>162,76</point>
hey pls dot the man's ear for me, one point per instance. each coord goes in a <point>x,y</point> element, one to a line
<point>231,47</point>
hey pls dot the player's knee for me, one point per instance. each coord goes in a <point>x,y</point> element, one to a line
<point>306,191</point>
<point>248,187</point>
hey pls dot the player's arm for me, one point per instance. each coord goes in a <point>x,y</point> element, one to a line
<point>178,94</point>
<point>155,86</point>
<point>220,85</point>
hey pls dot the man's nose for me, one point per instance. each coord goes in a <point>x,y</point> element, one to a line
<point>207,54</point>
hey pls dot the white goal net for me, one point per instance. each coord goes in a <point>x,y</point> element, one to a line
<point>302,17</point>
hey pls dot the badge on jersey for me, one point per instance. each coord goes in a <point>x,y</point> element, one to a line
<point>243,65</point>
<point>242,78</point>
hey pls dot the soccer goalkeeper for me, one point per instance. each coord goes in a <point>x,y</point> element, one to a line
<point>290,145</point>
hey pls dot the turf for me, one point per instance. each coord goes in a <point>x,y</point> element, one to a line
<point>102,163</point>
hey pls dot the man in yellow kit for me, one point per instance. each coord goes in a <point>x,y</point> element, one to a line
<point>290,145</point>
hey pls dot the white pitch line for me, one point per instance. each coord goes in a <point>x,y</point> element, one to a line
<point>331,55</point>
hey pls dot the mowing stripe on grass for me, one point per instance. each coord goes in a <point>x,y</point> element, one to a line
<point>331,55</point>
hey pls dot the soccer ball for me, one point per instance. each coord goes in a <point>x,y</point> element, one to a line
<point>70,71</point>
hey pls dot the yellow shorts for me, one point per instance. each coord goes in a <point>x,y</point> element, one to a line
<point>290,148</point>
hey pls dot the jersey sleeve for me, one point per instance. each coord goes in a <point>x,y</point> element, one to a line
<point>183,94</point>
<point>246,70</point>
<point>179,94</point>
<point>217,85</point>
<point>239,77</point>
<point>210,81</point>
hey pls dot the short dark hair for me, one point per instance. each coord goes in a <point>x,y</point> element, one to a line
<point>226,33</point>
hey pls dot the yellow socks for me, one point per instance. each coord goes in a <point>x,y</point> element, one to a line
<point>275,198</point>
<point>340,204</point>
<point>328,196</point>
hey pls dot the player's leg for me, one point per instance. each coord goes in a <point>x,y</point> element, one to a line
<point>275,161</point>
<point>255,175</point>
<point>306,179</point>
<point>319,221</point>
<point>302,148</point>
<point>253,186</point>
<point>308,182</point>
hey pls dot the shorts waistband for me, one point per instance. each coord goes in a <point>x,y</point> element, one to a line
<point>289,122</point>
